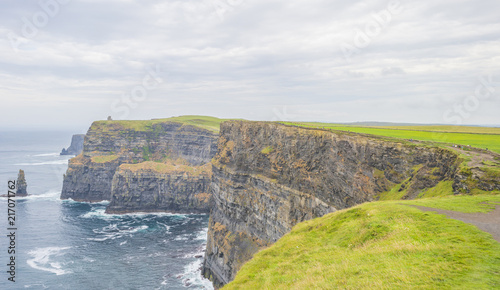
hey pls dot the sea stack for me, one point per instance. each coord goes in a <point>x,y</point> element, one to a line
<point>21,184</point>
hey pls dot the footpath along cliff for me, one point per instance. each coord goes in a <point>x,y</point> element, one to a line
<point>268,177</point>
<point>157,165</point>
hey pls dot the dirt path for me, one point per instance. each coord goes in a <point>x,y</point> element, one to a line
<point>488,222</point>
<point>478,156</point>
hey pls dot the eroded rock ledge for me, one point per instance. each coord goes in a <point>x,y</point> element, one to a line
<point>143,166</point>
<point>160,187</point>
<point>267,177</point>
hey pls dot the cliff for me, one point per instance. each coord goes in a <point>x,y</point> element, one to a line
<point>76,146</point>
<point>164,187</point>
<point>268,177</point>
<point>108,144</point>
<point>21,184</point>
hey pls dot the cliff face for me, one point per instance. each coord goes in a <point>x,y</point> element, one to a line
<point>268,177</point>
<point>89,181</point>
<point>108,144</point>
<point>153,187</point>
<point>155,142</point>
<point>76,146</point>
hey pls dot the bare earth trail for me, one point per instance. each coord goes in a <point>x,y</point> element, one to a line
<point>488,222</point>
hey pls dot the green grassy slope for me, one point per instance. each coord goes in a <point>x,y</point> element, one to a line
<point>378,245</point>
<point>480,137</point>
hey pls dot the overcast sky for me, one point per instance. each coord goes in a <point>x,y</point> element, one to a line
<point>66,63</point>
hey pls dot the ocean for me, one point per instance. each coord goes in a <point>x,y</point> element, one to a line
<point>72,245</point>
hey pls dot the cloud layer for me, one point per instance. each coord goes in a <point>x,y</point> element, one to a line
<point>66,63</point>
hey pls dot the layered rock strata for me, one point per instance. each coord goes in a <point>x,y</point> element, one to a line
<point>108,144</point>
<point>268,177</point>
<point>160,187</point>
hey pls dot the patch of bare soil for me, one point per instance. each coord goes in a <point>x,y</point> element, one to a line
<point>477,156</point>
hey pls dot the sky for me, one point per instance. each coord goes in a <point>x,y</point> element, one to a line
<point>66,63</point>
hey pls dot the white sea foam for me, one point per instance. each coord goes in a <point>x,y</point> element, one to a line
<point>70,200</point>
<point>112,232</point>
<point>51,195</point>
<point>37,286</point>
<point>202,235</point>
<point>158,214</point>
<point>192,276</point>
<point>167,227</point>
<point>42,260</point>
<point>101,213</point>
<point>46,154</point>
<point>181,238</point>
<point>54,162</point>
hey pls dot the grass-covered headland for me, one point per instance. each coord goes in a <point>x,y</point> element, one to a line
<point>480,137</point>
<point>377,245</point>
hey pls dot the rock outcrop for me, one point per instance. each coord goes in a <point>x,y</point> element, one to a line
<point>108,144</point>
<point>160,187</point>
<point>268,177</point>
<point>21,185</point>
<point>76,146</point>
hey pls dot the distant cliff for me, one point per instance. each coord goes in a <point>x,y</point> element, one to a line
<point>268,177</point>
<point>109,144</point>
<point>76,146</point>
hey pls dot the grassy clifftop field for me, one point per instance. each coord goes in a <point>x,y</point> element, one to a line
<point>381,245</point>
<point>204,122</point>
<point>480,137</point>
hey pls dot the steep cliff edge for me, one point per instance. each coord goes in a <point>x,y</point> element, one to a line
<point>108,144</point>
<point>160,187</point>
<point>76,146</point>
<point>268,177</point>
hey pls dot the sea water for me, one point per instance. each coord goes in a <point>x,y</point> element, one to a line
<point>72,245</point>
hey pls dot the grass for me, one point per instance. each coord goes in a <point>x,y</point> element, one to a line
<point>104,158</point>
<point>377,245</point>
<point>443,188</point>
<point>267,150</point>
<point>396,193</point>
<point>481,138</point>
<point>204,122</point>
<point>169,167</point>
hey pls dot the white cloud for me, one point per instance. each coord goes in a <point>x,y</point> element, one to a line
<point>246,59</point>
